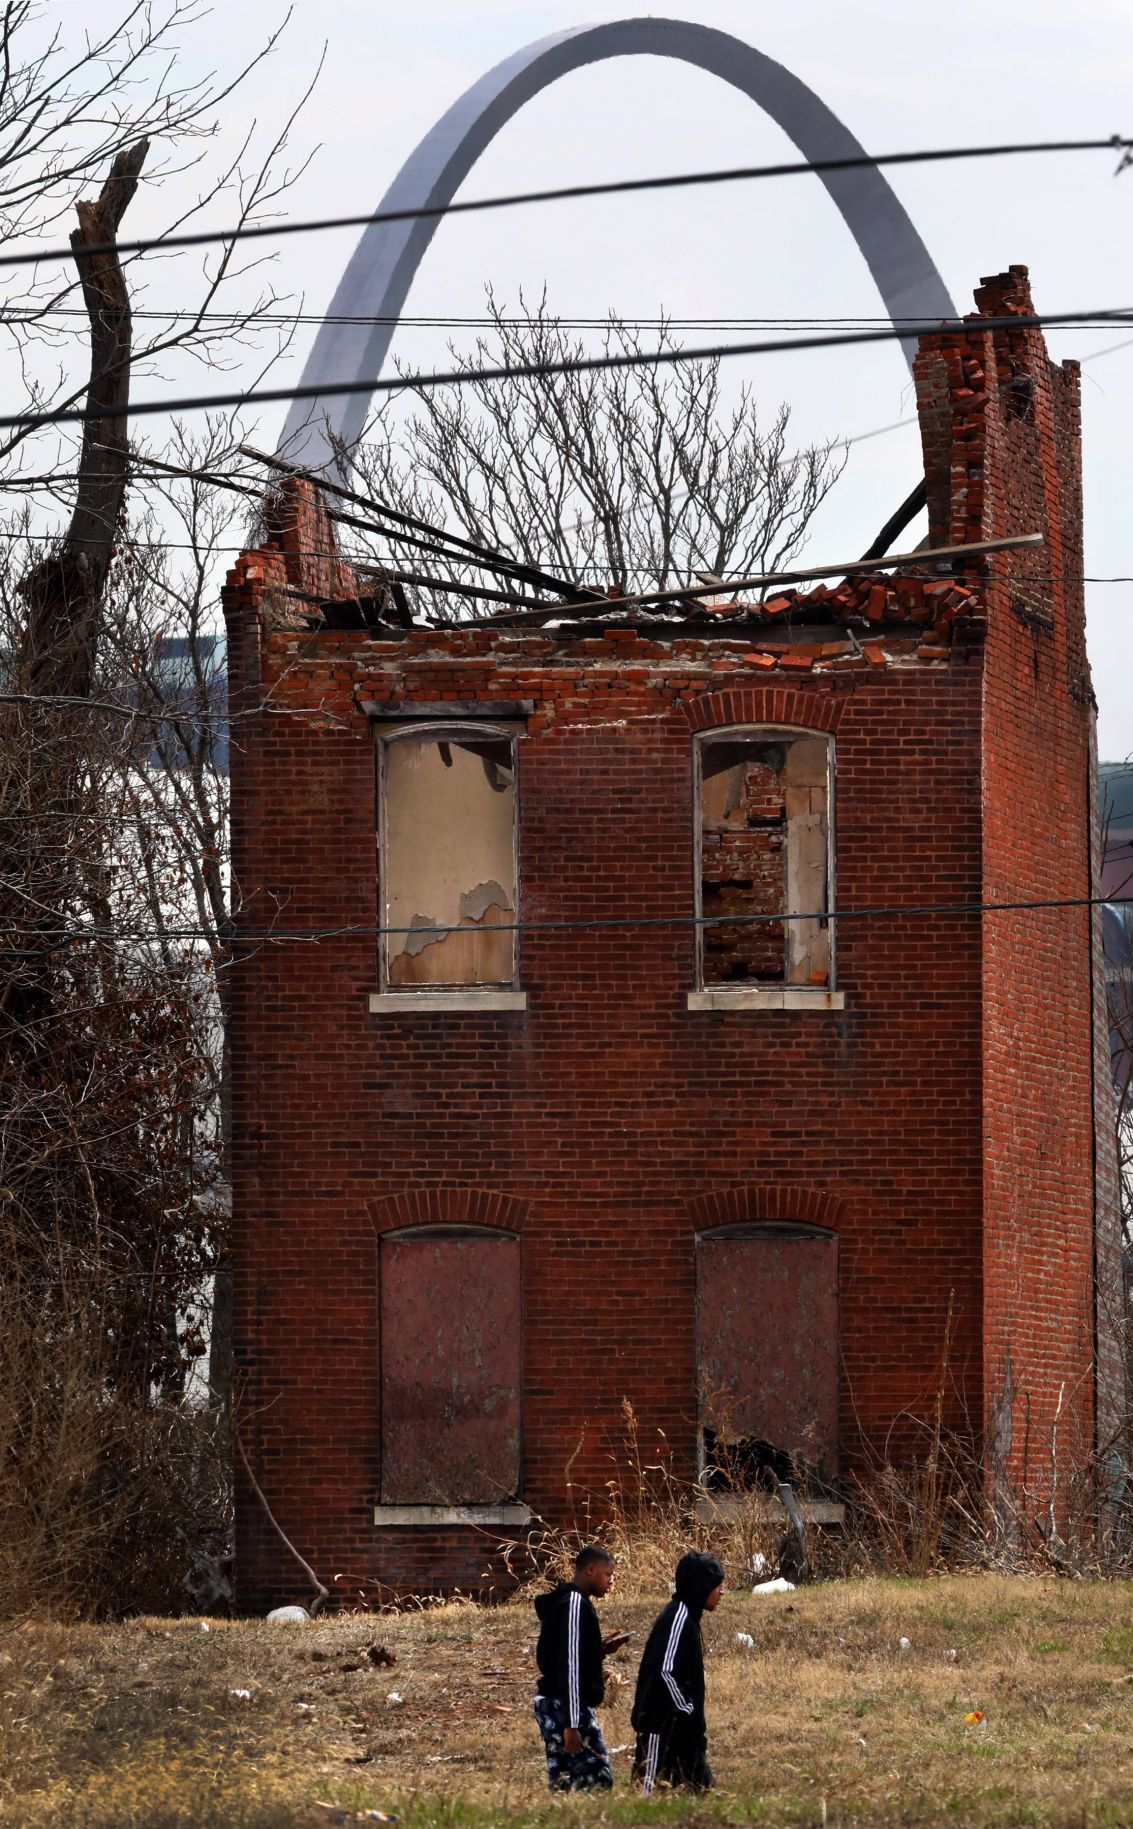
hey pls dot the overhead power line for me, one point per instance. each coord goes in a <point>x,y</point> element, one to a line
<point>521,371</point>
<point>369,564</point>
<point>368,930</point>
<point>565,193</point>
<point>439,321</point>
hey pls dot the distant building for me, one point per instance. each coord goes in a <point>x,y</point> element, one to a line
<point>186,673</point>
<point>592,1119</point>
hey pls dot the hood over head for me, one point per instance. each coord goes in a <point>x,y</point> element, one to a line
<point>549,1603</point>
<point>697,1574</point>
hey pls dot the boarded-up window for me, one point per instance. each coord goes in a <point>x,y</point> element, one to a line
<point>767,1352</point>
<point>765,853</point>
<point>450,1367</point>
<point>448,857</point>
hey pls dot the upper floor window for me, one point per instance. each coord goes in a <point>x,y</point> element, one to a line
<point>448,869</point>
<point>765,853</point>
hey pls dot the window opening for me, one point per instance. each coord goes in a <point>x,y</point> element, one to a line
<point>765,849</point>
<point>448,857</point>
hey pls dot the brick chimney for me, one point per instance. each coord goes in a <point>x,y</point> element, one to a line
<point>1000,428</point>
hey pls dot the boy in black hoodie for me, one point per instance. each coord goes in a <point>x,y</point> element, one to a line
<point>668,1708</point>
<point>571,1679</point>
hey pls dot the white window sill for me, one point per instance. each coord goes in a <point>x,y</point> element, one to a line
<point>716,1507</point>
<point>452,1514</point>
<point>439,1003</point>
<point>766,997</point>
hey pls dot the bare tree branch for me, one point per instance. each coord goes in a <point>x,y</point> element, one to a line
<point>622,479</point>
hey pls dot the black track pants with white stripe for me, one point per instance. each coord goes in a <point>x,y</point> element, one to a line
<point>678,1756</point>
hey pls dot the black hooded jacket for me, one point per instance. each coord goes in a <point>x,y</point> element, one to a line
<point>569,1652</point>
<point>670,1683</point>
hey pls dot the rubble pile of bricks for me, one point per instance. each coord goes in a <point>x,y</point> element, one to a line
<point>940,609</point>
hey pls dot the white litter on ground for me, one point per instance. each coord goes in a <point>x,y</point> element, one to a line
<point>289,1616</point>
<point>904,1644</point>
<point>745,1639</point>
<point>779,1586</point>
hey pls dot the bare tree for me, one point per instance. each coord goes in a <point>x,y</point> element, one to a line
<point>618,478</point>
<point>111,851</point>
<point>66,116</point>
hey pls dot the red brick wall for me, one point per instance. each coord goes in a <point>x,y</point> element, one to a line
<point>607,1108</point>
<point>1009,421</point>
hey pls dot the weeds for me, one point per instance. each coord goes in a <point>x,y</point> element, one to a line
<point>134,1726</point>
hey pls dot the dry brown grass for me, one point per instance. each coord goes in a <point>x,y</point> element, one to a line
<point>826,1719</point>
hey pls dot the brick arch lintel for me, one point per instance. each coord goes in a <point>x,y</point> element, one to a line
<point>766,1202</point>
<point>448,1206</point>
<point>764,705</point>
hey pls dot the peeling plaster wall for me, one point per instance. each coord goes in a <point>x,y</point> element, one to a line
<point>448,844</point>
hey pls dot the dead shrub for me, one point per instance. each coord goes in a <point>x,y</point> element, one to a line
<point>111,1500</point>
<point>922,1506</point>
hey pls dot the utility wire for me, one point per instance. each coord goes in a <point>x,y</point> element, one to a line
<point>314,936</point>
<point>568,192</point>
<point>578,597</point>
<point>521,371</point>
<point>439,321</point>
<point>381,569</point>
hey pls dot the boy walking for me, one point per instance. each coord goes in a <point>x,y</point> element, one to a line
<point>571,1679</point>
<point>668,1708</point>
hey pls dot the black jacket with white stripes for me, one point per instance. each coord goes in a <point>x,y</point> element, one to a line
<point>670,1682</point>
<point>569,1652</point>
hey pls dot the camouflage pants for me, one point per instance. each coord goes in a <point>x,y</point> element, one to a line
<point>588,1770</point>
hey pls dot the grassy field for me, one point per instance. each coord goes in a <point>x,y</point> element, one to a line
<point>164,1724</point>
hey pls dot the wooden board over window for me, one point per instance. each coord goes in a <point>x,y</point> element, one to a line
<point>450,1368</point>
<point>767,1343</point>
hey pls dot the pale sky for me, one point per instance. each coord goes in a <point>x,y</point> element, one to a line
<point>933,73</point>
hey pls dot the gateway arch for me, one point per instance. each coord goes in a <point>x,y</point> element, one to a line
<point>380,272</point>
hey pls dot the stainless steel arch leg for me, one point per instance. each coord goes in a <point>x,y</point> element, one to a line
<point>381,269</point>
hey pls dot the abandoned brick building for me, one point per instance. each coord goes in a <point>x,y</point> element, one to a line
<point>540,1126</point>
